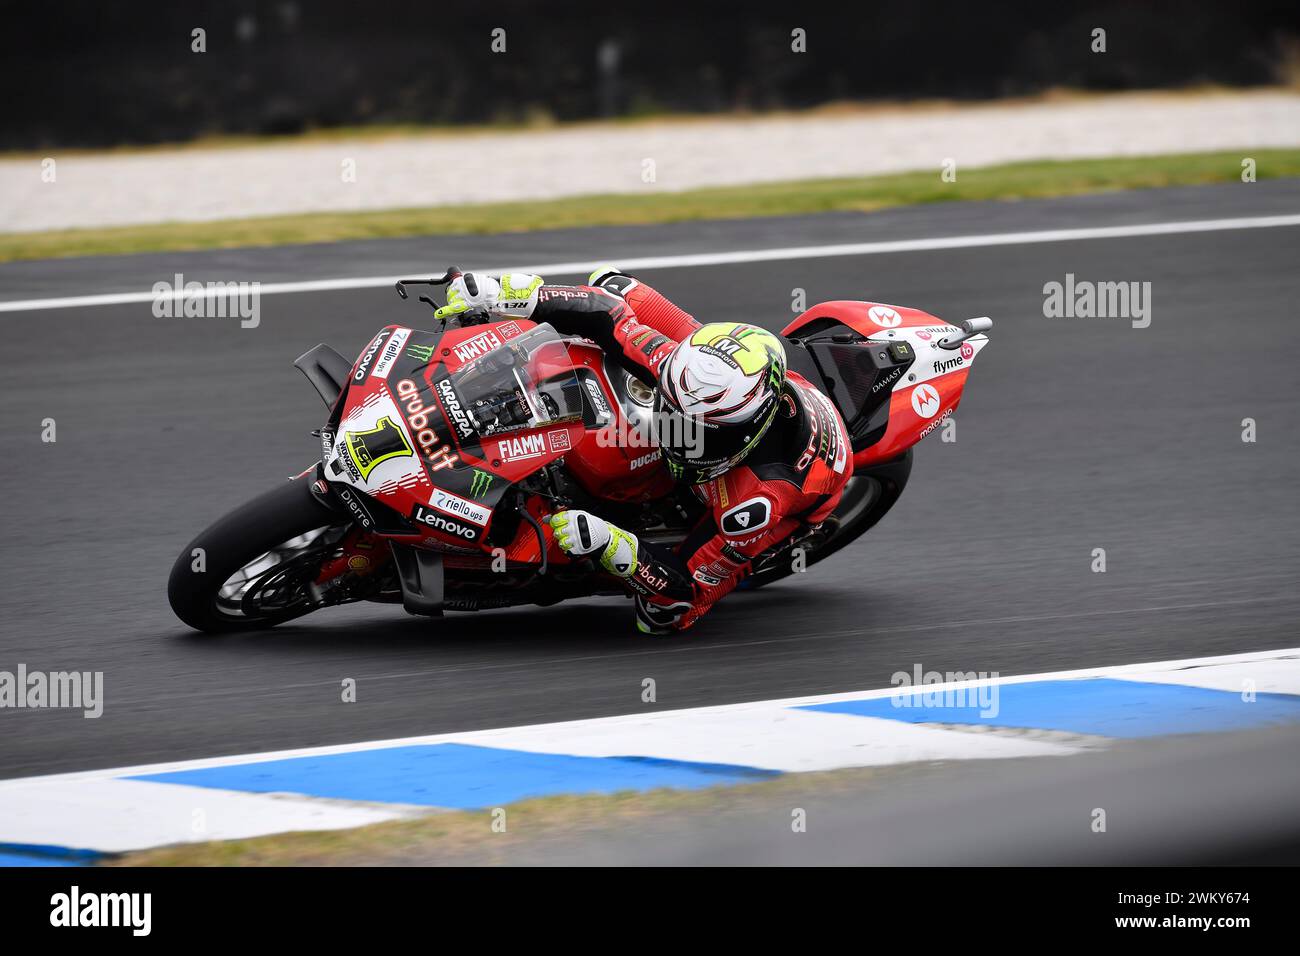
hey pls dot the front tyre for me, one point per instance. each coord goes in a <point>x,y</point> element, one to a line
<point>254,567</point>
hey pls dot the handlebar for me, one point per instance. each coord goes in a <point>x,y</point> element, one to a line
<point>477,317</point>
<point>451,273</point>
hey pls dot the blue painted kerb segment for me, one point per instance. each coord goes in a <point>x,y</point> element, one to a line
<point>1098,706</point>
<point>40,854</point>
<point>459,776</point>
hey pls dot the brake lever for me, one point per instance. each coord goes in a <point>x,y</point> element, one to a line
<point>450,275</point>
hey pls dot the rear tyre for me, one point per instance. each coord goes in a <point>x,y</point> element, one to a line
<point>254,567</point>
<point>868,496</point>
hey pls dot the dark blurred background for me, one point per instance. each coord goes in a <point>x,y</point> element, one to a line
<point>87,73</point>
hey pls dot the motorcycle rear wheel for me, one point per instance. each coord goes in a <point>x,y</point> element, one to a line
<point>868,496</point>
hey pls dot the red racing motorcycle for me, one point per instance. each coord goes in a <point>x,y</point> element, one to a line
<point>444,451</point>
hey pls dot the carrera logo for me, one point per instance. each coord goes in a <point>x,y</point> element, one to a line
<point>884,316</point>
<point>478,345</point>
<point>747,517</point>
<point>363,365</point>
<point>455,411</point>
<point>440,522</point>
<point>517,449</point>
<point>925,400</point>
<point>460,507</point>
<point>390,353</point>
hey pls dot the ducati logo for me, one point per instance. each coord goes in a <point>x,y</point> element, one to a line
<point>884,316</point>
<point>925,400</point>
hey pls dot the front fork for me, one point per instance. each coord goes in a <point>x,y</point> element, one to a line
<point>359,554</point>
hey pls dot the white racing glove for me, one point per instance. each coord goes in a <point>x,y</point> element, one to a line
<point>581,533</point>
<point>515,294</point>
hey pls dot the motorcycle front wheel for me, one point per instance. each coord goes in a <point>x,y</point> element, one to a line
<point>254,567</point>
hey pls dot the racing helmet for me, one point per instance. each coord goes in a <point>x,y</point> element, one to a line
<point>719,390</point>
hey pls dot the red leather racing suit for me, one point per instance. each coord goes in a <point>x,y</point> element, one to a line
<point>792,479</point>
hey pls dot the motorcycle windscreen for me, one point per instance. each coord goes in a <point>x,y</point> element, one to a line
<point>526,383</point>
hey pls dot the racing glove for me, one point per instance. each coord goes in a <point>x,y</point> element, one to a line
<point>581,533</point>
<point>515,294</point>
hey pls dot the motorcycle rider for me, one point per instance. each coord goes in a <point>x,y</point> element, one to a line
<point>762,448</point>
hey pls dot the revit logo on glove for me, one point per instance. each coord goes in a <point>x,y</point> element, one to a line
<point>747,516</point>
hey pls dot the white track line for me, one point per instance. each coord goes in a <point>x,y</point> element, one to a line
<point>719,258</point>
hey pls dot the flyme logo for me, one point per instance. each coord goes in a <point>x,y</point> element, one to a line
<point>74,690</point>
<point>74,908</point>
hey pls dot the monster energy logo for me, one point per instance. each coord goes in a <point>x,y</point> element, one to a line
<point>480,483</point>
<point>422,353</point>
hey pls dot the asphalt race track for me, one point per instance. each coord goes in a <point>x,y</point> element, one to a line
<point>1075,434</point>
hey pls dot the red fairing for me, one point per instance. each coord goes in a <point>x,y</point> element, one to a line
<point>920,403</point>
<point>915,412</point>
<point>615,461</point>
<point>461,346</point>
<point>865,318</point>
